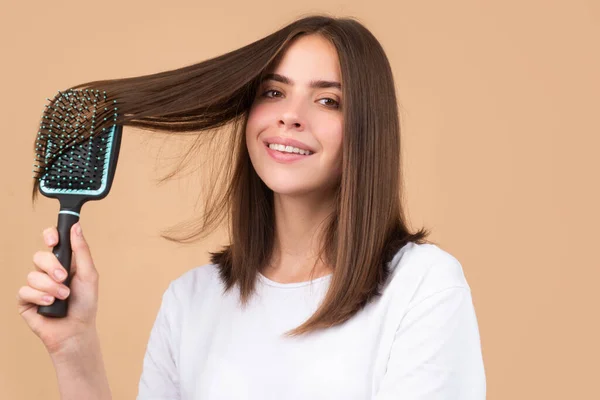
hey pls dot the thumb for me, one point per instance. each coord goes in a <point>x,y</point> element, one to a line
<point>82,256</point>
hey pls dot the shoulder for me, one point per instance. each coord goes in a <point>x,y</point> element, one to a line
<point>425,269</point>
<point>199,279</point>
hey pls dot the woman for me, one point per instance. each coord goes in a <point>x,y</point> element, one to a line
<point>323,292</point>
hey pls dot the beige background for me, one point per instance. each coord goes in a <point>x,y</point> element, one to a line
<point>500,111</point>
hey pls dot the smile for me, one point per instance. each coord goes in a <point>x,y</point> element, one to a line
<point>286,157</point>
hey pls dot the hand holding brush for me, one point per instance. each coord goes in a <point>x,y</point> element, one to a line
<point>61,335</point>
<point>76,155</point>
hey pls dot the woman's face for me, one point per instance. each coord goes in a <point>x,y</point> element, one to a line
<point>301,102</point>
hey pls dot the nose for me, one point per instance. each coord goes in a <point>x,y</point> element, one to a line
<point>290,121</point>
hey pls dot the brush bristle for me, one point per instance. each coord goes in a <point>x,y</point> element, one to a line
<point>74,138</point>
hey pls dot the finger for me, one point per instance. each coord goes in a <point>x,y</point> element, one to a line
<point>50,236</point>
<point>51,239</point>
<point>28,295</point>
<point>82,254</point>
<point>42,282</point>
<point>48,263</point>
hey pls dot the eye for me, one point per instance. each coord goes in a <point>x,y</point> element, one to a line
<point>333,103</point>
<point>265,94</point>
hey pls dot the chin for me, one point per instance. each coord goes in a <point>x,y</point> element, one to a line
<point>288,190</point>
<point>286,186</point>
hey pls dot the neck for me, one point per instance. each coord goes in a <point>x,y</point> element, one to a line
<point>298,224</point>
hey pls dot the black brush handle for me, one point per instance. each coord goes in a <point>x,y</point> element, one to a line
<point>62,251</point>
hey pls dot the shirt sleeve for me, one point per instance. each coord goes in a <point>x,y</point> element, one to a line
<point>160,378</point>
<point>436,353</point>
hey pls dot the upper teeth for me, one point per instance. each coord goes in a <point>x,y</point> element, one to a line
<point>289,149</point>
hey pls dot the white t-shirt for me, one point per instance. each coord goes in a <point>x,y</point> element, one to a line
<point>418,341</point>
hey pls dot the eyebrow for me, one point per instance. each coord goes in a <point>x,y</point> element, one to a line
<point>318,84</point>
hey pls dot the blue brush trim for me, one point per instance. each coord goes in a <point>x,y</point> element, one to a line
<point>69,212</point>
<point>104,178</point>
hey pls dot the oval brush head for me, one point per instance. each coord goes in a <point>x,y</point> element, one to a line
<point>76,153</point>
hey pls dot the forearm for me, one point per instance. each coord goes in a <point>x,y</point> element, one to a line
<point>80,372</point>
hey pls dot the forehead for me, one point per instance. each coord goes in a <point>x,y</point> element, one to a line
<point>308,58</point>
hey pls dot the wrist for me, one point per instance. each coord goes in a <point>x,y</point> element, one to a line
<point>72,348</point>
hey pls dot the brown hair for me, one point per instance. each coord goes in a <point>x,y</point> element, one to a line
<point>368,225</point>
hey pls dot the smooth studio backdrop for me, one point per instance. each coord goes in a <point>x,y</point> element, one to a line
<point>499,105</point>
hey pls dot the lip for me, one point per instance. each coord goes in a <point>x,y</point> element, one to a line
<point>285,158</point>
<point>287,142</point>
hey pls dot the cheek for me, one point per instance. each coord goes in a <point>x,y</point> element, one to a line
<point>258,115</point>
<point>332,142</point>
<point>331,137</point>
<point>256,125</point>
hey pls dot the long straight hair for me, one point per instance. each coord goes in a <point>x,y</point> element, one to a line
<point>368,225</point>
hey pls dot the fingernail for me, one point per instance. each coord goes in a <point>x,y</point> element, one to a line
<point>60,274</point>
<point>78,229</point>
<point>63,292</point>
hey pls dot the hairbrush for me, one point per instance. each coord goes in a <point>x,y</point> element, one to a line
<point>76,154</point>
